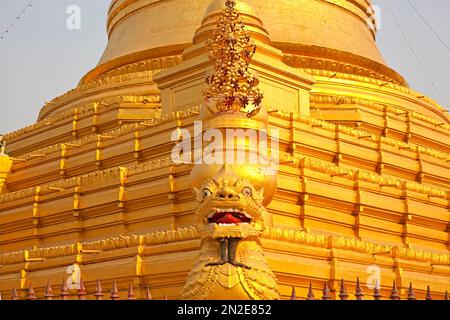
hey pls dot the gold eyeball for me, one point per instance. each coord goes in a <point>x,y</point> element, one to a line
<point>247,192</point>
<point>206,193</point>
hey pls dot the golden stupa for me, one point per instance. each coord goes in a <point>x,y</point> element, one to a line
<point>91,191</point>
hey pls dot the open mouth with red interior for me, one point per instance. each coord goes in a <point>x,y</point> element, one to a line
<point>229,216</point>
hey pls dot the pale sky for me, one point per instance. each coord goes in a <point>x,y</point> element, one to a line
<point>40,58</point>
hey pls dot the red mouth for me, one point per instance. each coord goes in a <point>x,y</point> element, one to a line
<point>229,217</point>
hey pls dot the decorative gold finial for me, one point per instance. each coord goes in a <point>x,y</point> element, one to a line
<point>232,87</point>
<point>5,162</point>
<point>2,145</point>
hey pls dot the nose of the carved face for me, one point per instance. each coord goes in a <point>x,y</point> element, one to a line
<point>227,193</point>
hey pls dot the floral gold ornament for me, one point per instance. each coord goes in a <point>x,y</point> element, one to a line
<point>232,87</point>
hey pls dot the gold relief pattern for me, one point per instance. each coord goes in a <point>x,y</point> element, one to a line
<point>422,256</point>
<point>20,194</point>
<point>321,66</point>
<point>139,70</point>
<point>53,252</point>
<point>11,258</point>
<point>357,245</point>
<point>296,236</point>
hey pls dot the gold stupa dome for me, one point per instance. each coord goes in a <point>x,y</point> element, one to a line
<point>326,39</point>
<point>319,37</point>
<point>335,31</point>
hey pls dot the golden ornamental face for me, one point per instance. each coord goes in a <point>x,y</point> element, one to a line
<point>229,207</point>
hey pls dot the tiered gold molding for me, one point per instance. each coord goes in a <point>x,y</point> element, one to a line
<point>134,132</point>
<point>343,69</point>
<point>146,69</point>
<point>318,100</point>
<point>104,105</point>
<point>59,159</point>
<point>98,166</point>
<point>98,178</point>
<point>127,76</point>
<point>138,70</point>
<point>76,114</point>
<point>142,253</point>
<point>152,100</point>
<point>190,233</point>
<point>115,180</point>
<point>367,176</point>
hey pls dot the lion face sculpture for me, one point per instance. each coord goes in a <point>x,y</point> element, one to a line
<point>230,207</point>
<point>231,262</point>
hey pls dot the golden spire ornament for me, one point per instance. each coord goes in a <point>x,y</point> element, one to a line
<point>232,87</point>
<point>2,145</point>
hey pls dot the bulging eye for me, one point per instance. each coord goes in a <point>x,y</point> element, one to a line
<point>206,193</point>
<point>247,191</point>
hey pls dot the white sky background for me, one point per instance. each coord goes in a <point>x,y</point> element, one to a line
<point>41,59</point>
